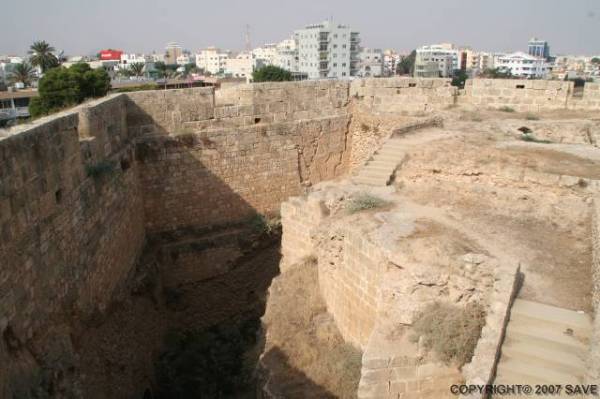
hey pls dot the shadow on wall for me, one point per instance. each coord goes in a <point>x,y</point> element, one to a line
<point>178,173</point>
<point>213,266</point>
<point>297,386</point>
<point>91,229</point>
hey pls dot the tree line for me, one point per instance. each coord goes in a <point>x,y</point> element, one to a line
<point>58,87</point>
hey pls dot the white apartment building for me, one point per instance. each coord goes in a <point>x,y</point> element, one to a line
<point>266,53</point>
<point>132,58</point>
<point>7,64</point>
<point>242,65</point>
<point>444,55</point>
<point>488,60</point>
<point>523,65</point>
<point>212,60</point>
<point>327,50</point>
<point>158,57</point>
<point>370,63</point>
<point>287,55</point>
<point>185,59</point>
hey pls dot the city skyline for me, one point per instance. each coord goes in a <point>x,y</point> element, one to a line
<point>138,26</point>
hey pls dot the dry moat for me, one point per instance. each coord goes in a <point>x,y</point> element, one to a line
<point>322,239</point>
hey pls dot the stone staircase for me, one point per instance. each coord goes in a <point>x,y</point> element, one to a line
<point>380,168</point>
<point>544,345</point>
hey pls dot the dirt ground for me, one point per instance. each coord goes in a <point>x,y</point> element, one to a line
<point>520,201</point>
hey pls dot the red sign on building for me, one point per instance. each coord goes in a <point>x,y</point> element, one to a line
<point>110,55</point>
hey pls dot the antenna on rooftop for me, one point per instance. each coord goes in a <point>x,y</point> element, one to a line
<point>247,38</point>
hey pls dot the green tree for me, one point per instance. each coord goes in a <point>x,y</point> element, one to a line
<point>23,73</point>
<point>407,65</point>
<point>190,69</point>
<point>64,87</point>
<point>271,73</point>
<point>42,55</point>
<point>459,79</point>
<point>163,71</point>
<point>596,61</point>
<point>137,68</point>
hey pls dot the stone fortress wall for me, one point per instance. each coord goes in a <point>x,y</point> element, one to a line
<point>528,95</point>
<point>80,191</point>
<point>212,158</point>
<point>351,289</point>
<point>67,236</point>
<point>71,218</point>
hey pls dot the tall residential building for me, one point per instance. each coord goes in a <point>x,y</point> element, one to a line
<point>287,55</point>
<point>212,60</point>
<point>523,65</point>
<point>172,52</point>
<point>444,56</point>
<point>539,48</point>
<point>328,50</point>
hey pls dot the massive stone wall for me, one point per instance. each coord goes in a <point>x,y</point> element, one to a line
<point>350,267</point>
<point>529,95</point>
<point>590,98</point>
<point>363,292</point>
<point>521,95</point>
<point>221,160</point>
<point>72,228</point>
<point>403,95</point>
<point>80,190</point>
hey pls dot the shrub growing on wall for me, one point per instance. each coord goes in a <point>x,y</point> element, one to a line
<point>64,87</point>
<point>271,73</point>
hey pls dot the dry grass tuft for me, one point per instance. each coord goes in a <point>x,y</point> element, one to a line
<point>532,117</point>
<point>449,331</point>
<point>506,109</point>
<point>364,201</point>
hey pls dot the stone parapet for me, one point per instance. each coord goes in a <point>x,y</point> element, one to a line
<point>481,369</point>
<point>593,371</point>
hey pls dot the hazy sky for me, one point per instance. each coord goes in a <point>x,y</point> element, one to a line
<point>85,26</point>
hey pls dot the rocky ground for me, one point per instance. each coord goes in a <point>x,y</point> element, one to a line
<point>521,201</point>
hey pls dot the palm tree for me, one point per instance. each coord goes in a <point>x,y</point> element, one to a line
<point>164,72</point>
<point>137,68</point>
<point>42,56</point>
<point>23,73</point>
